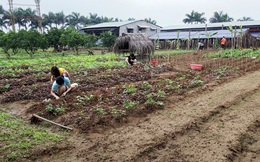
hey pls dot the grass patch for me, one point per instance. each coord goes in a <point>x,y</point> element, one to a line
<point>172,52</point>
<point>18,138</point>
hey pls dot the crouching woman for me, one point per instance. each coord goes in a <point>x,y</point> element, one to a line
<point>61,86</point>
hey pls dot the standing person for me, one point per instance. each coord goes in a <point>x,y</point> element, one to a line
<point>200,46</point>
<point>131,59</point>
<point>55,72</point>
<point>61,86</point>
<point>223,42</point>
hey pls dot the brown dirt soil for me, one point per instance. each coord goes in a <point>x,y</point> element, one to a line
<point>216,122</point>
<point>219,125</point>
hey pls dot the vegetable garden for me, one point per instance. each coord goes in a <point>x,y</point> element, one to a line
<point>110,92</point>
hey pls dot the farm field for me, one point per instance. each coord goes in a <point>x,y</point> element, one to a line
<point>162,112</point>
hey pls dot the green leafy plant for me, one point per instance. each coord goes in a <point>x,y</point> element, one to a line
<point>195,82</point>
<point>129,89</point>
<point>18,138</point>
<point>117,112</point>
<point>54,110</point>
<point>145,85</point>
<point>129,104</point>
<point>100,111</point>
<point>161,94</point>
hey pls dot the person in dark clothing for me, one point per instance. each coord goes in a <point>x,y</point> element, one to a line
<point>131,59</point>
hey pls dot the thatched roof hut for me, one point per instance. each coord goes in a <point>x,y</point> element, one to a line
<point>137,43</point>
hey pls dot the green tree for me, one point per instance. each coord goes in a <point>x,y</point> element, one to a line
<point>194,17</point>
<point>150,21</point>
<point>53,38</point>
<point>209,35</point>
<point>29,41</point>
<point>73,39</point>
<point>75,20</point>
<point>91,40</point>
<point>220,17</point>
<point>245,19</point>
<point>49,19</point>
<point>19,18</point>
<point>30,17</point>
<point>60,19</point>
<point>131,19</point>
<point>10,41</point>
<point>44,45</point>
<point>94,19</point>
<point>3,21</point>
<point>108,39</point>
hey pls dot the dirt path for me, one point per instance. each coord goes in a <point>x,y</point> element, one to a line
<point>220,125</point>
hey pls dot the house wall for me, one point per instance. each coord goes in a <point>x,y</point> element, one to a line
<point>139,27</point>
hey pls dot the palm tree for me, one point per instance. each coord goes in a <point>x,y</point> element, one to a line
<point>150,21</point>
<point>49,19</point>
<point>74,20</point>
<point>60,19</point>
<point>220,17</point>
<point>94,19</point>
<point>190,18</point>
<point>131,19</point>
<point>199,19</point>
<point>245,19</point>
<point>29,16</point>
<point>106,19</point>
<point>194,17</point>
<point>3,20</point>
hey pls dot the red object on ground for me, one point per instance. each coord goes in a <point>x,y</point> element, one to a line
<point>153,62</point>
<point>196,66</point>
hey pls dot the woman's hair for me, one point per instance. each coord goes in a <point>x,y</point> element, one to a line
<point>132,54</point>
<point>60,80</point>
<point>55,71</point>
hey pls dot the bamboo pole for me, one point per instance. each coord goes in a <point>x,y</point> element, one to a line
<point>37,116</point>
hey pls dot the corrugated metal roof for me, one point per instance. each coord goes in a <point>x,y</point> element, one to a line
<point>110,24</point>
<point>209,25</point>
<point>195,35</point>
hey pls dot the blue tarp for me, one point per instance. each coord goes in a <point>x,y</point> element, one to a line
<point>255,34</point>
<point>197,34</point>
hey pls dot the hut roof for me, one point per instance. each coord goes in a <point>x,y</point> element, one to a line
<point>139,43</point>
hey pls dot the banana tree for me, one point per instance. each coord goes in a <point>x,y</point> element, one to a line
<point>233,35</point>
<point>209,35</point>
<point>241,36</point>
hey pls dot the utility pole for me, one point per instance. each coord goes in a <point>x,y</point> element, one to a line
<point>11,8</point>
<point>38,12</point>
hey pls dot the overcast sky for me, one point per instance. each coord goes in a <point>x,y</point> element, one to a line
<point>164,12</point>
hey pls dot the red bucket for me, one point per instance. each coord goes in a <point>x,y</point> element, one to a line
<point>196,66</point>
<point>153,62</point>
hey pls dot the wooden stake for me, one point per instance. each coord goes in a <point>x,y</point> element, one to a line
<point>37,116</point>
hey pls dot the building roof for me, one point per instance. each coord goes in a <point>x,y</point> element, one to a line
<point>246,24</point>
<point>196,34</point>
<point>112,24</point>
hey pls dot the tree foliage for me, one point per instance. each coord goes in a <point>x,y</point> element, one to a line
<point>108,39</point>
<point>73,39</point>
<point>194,17</point>
<point>220,17</point>
<point>245,19</point>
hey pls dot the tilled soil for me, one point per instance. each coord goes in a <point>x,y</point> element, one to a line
<point>218,125</point>
<point>216,122</point>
